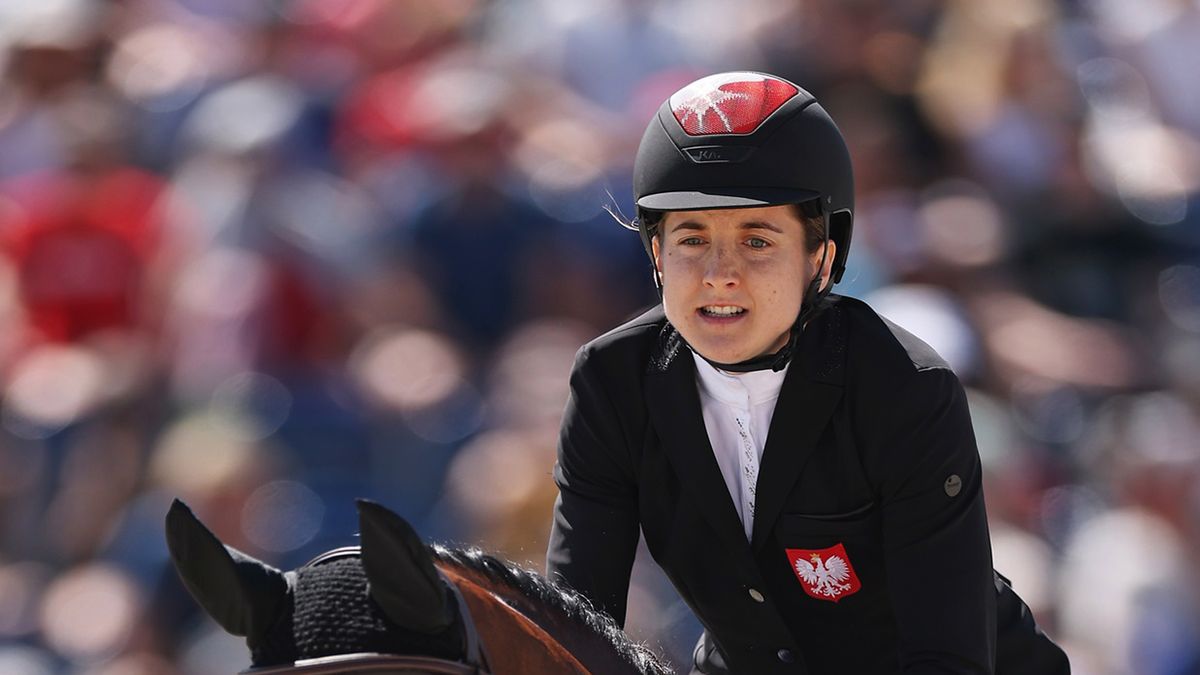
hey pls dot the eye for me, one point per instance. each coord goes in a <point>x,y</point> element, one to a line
<point>691,241</point>
<point>756,242</point>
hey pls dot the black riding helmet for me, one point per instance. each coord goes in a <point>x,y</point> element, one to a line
<point>744,139</point>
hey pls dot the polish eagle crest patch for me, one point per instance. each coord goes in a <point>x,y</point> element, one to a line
<point>729,103</point>
<point>825,574</point>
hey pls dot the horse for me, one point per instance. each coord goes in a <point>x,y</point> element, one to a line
<point>394,605</point>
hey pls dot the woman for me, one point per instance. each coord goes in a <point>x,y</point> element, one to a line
<point>803,470</point>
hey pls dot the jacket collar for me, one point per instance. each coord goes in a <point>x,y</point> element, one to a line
<point>737,389</point>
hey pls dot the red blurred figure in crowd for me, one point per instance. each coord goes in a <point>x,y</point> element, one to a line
<point>81,245</point>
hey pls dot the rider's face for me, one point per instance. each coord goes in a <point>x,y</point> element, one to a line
<point>733,279</point>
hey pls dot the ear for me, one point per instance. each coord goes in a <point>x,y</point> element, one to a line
<point>242,594</point>
<point>400,571</point>
<point>827,267</point>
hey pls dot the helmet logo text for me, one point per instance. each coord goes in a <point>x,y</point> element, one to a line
<point>709,154</point>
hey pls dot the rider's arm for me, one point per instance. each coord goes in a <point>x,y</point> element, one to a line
<point>937,551</point>
<point>595,530</point>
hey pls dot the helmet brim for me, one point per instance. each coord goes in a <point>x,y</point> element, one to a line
<point>724,198</point>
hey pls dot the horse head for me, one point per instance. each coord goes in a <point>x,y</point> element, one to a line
<point>382,605</point>
<point>394,605</point>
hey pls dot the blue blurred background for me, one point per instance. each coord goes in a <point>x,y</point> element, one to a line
<point>271,256</point>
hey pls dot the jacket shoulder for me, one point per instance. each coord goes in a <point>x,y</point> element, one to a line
<point>886,345</point>
<point>629,343</point>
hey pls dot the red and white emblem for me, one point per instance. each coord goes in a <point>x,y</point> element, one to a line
<point>729,103</point>
<point>825,574</point>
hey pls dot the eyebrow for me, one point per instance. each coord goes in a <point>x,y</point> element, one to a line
<point>750,225</point>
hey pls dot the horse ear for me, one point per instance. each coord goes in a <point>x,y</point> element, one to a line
<point>241,593</point>
<point>400,571</point>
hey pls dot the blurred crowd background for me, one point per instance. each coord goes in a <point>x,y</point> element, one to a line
<point>270,256</point>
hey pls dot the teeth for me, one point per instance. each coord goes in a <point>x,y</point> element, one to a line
<point>722,310</point>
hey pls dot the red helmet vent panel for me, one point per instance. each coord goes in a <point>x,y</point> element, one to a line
<point>729,103</point>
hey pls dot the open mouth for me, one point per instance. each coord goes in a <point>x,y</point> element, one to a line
<point>722,311</point>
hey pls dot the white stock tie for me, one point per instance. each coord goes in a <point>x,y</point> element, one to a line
<point>748,459</point>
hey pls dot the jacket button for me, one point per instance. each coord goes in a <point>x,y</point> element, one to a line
<point>756,596</point>
<point>785,655</point>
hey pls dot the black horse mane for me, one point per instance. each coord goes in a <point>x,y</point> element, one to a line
<point>566,600</point>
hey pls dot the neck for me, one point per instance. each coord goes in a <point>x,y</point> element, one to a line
<point>587,635</point>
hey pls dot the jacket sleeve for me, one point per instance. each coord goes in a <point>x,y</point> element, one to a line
<point>594,535</point>
<point>937,551</point>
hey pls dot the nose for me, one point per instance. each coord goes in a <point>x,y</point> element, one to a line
<point>722,269</point>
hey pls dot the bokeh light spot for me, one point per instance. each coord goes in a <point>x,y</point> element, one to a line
<point>408,368</point>
<point>50,388</point>
<point>89,612</point>
<point>282,516</point>
<point>1179,293</point>
<point>256,397</point>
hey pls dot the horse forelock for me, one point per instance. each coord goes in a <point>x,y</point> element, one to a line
<point>566,601</point>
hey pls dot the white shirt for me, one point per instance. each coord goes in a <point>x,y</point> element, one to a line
<point>737,410</point>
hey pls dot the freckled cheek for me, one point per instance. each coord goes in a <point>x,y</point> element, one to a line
<point>680,265</point>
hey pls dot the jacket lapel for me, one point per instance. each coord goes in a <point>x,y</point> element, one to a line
<point>673,402</point>
<point>807,399</point>
<point>803,410</point>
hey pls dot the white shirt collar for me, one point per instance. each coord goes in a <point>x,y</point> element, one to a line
<point>732,388</point>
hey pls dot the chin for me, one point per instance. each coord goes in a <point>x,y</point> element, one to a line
<point>732,351</point>
<point>721,355</point>
<point>726,346</point>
